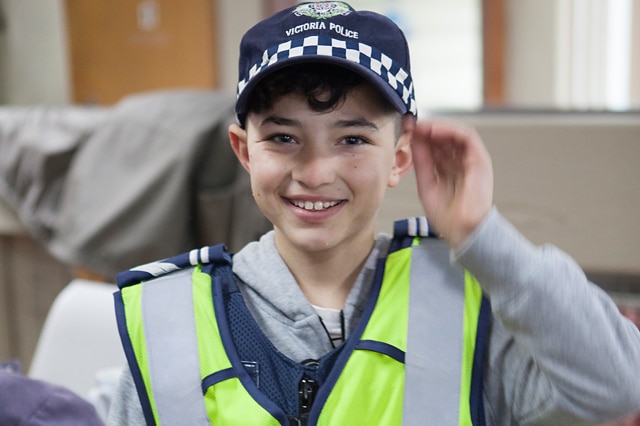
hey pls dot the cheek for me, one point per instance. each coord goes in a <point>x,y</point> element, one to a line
<point>265,173</point>
<point>370,175</point>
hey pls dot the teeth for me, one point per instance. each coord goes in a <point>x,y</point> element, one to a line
<point>318,205</point>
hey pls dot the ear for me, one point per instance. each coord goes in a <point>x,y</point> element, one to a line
<point>238,140</point>
<point>403,160</point>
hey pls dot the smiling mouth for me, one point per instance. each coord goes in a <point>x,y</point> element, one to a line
<point>315,205</point>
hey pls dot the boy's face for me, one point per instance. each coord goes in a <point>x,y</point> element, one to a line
<point>320,177</point>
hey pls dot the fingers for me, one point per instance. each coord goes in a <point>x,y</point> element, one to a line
<point>440,148</point>
<point>423,160</point>
<point>448,146</point>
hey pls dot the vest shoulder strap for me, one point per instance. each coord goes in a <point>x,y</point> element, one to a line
<point>207,255</point>
<point>443,299</point>
<point>166,283</point>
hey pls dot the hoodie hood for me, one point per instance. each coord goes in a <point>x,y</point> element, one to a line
<point>280,308</point>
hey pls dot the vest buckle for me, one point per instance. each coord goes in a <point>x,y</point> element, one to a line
<point>307,390</point>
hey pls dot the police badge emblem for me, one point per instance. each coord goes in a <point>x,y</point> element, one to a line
<point>322,10</point>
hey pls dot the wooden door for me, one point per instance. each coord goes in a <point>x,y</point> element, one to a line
<point>119,47</point>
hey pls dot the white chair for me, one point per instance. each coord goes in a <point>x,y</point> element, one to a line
<point>79,343</point>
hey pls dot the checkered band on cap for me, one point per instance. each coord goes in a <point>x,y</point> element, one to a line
<point>352,51</point>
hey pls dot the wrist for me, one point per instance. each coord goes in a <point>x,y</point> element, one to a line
<point>466,232</point>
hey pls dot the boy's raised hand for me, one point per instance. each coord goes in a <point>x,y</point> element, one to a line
<point>455,177</point>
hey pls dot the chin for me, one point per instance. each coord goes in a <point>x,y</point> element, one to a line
<point>309,240</point>
<point>315,243</point>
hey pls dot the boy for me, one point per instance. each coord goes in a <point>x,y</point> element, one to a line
<point>315,325</point>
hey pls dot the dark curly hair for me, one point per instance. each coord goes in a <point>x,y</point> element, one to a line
<point>314,81</point>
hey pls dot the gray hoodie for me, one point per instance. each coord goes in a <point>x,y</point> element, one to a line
<point>559,351</point>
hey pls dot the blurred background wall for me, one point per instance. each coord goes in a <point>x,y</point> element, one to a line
<point>552,85</point>
<point>544,53</point>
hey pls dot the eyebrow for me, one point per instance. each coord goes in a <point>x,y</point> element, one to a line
<point>358,122</point>
<point>280,121</point>
<point>341,124</point>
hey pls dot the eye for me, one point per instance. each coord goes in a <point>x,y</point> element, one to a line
<point>282,138</point>
<point>353,140</point>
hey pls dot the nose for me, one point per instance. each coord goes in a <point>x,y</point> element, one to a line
<point>314,167</point>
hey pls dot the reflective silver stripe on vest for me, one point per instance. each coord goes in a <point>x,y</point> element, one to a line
<point>434,337</point>
<point>173,357</point>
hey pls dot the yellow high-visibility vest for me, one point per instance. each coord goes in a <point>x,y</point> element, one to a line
<point>423,314</point>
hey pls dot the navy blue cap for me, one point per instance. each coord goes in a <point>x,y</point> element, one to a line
<point>363,41</point>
